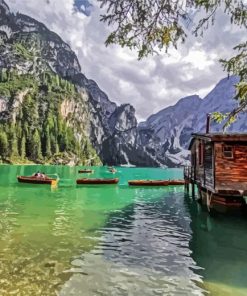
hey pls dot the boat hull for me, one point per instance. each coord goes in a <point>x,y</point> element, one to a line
<point>155,182</point>
<point>36,180</point>
<point>96,181</point>
<point>148,182</point>
<point>176,182</point>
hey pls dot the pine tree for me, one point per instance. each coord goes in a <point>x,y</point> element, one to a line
<point>43,78</point>
<point>8,75</point>
<point>86,150</point>
<point>56,148</point>
<point>23,147</point>
<point>4,75</point>
<point>54,145</point>
<point>59,124</point>
<point>13,144</point>
<point>1,75</point>
<point>57,80</point>
<point>47,142</point>
<point>3,144</point>
<point>64,141</point>
<point>36,146</point>
<point>28,109</point>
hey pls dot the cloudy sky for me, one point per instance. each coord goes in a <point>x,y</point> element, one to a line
<point>150,84</point>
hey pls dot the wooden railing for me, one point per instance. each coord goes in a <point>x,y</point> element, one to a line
<point>189,173</point>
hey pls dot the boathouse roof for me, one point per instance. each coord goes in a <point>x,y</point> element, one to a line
<point>219,137</point>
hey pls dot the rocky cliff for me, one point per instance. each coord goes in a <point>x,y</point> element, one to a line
<point>49,110</point>
<point>38,102</point>
<point>35,62</point>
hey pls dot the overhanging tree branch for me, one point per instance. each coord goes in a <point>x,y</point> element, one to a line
<point>149,26</point>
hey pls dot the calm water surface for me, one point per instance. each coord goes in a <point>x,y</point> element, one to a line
<point>114,240</point>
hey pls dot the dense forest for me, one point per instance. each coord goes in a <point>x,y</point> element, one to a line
<point>32,127</point>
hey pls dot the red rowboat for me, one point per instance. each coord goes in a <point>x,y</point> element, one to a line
<point>37,180</point>
<point>97,181</point>
<point>176,182</point>
<point>148,182</point>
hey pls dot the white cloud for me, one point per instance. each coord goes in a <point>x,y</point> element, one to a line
<point>151,84</point>
<point>198,59</point>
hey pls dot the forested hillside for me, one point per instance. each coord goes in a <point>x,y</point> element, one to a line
<point>49,110</point>
<point>32,127</point>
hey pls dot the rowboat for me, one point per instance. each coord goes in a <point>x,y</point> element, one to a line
<point>148,182</point>
<point>97,181</point>
<point>176,182</point>
<point>37,180</point>
<point>85,171</point>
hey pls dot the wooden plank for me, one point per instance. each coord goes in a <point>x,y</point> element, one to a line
<point>231,172</point>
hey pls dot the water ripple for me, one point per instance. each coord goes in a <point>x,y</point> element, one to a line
<point>144,250</point>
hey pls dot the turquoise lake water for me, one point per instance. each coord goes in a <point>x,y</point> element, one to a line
<point>115,239</point>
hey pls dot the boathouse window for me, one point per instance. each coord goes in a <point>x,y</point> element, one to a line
<point>227,151</point>
<point>201,153</point>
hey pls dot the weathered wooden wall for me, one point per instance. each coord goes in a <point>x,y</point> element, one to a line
<point>209,165</point>
<point>204,172</point>
<point>199,169</point>
<point>231,173</point>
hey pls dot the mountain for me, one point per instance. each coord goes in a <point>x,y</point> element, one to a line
<point>47,103</point>
<point>36,96</point>
<point>166,134</point>
<point>51,112</point>
<point>221,99</point>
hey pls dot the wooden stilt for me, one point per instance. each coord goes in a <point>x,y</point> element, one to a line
<point>199,194</point>
<point>209,199</point>
<point>187,187</point>
<point>193,189</point>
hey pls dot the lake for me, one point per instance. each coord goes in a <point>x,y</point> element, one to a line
<point>115,239</point>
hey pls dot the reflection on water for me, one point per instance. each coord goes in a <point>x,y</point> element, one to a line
<point>146,230</point>
<point>114,240</point>
<point>218,245</point>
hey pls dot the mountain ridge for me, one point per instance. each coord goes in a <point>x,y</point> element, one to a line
<point>36,63</point>
<point>171,127</point>
<point>28,47</point>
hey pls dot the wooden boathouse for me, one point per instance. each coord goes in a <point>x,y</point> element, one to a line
<point>218,169</point>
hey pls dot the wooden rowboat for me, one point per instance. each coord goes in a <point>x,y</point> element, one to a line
<point>85,171</point>
<point>176,182</point>
<point>97,181</point>
<point>155,182</point>
<point>37,180</point>
<point>148,182</point>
